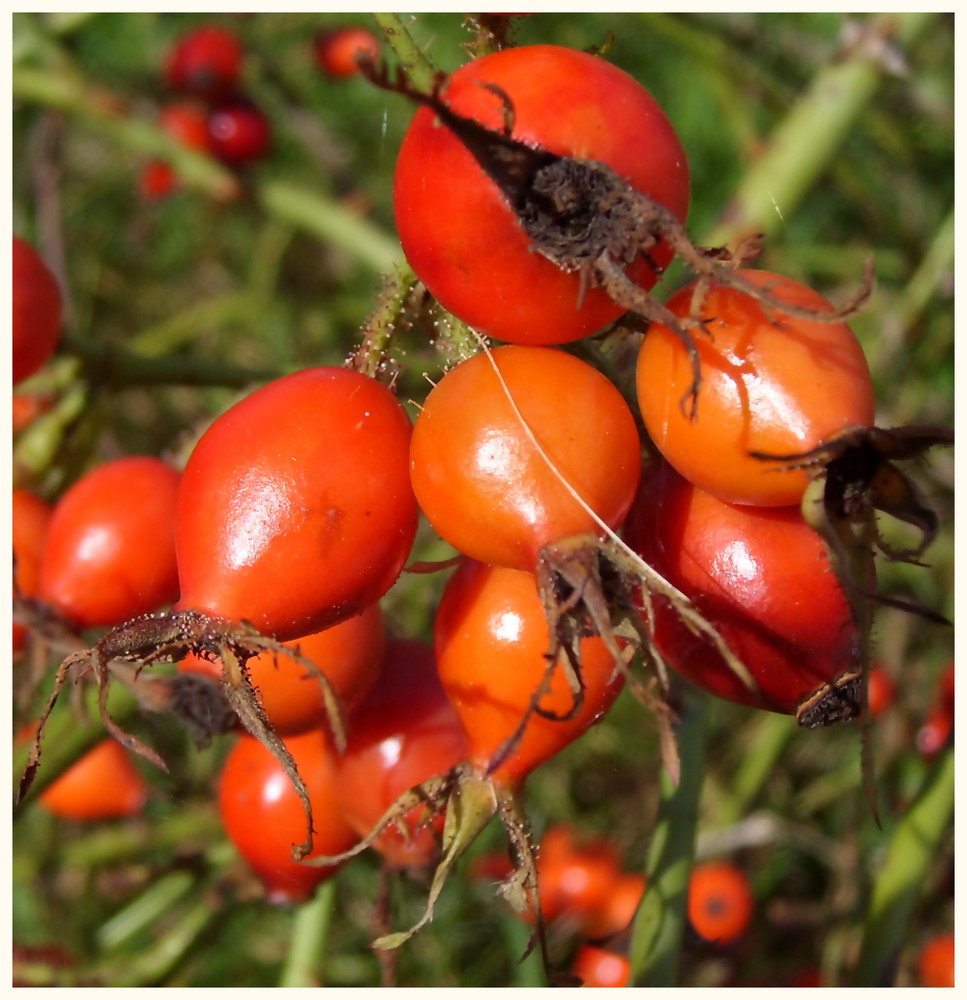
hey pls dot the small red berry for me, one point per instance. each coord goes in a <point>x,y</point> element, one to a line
<point>240,133</point>
<point>336,52</point>
<point>37,311</point>
<point>935,966</point>
<point>206,62</point>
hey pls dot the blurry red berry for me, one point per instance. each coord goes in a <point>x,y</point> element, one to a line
<point>599,967</point>
<point>188,123</point>
<point>336,51</point>
<point>880,692</point>
<point>720,902</point>
<point>240,133</point>
<point>103,784</point>
<point>157,180</point>
<point>37,311</point>
<point>935,966</point>
<point>206,62</point>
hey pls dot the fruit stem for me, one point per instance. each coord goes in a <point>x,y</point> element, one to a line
<point>419,69</point>
<point>806,141</point>
<point>659,925</point>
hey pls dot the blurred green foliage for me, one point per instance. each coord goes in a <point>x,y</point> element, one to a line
<point>226,293</point>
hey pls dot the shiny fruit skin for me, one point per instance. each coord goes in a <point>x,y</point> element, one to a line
<point>490,638</point>
<point>110,550</point>
<point>403,733</point>
<point>37,311</point>
<point>460,234</point>
<point>778,385</point>
<point>295,510</point>
<point>102,784</point>
<point>482,482</point>
<point>349,654</point>
<point>762,578</point>
<point>263,815</point>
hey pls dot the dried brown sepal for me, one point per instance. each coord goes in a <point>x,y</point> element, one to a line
<point>838,701</point>
<point>585,218</point>
<point>151,639</point>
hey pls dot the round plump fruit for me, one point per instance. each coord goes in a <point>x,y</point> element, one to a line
<point>188,123</point>
<point>30,520</point>
<point>110,549</point>
<point>720,902</point>
<point>596,966</point>
<point>349,654</point>
<point>336,51</point>
<point>761,576</point>
<point>403,733</point>
<point>458,230</point>
<point>481,480</point>
<point>103,784</point>
<point>37,311</point>
<point>263,816</point>
<point>239,133</point>
<point>295,510</point>
<point>935,964</point>
<point>206,62</point>
<point>773,384</point>
<point>490,638</point>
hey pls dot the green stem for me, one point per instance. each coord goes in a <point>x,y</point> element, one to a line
<point>120,367</point>
<point>378,330</point>
<point>418,68</point>
<point>805,143</point>
<point>69,93</point>
<point>911,855</point>
<point>660,923</point>
<point>307,945</point>
<point>766,747</point>
<point>156,900</point>
<point>331,222</point>
<point>934,269</point>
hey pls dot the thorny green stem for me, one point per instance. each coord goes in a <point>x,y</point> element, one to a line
<point>304,961</point>
<point>378,330</point>
<point>912,852</point>
<point>805,143</point>
<point>660,922</point>
<point>419,68</point>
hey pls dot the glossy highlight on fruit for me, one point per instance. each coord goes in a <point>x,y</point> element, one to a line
<point>110,549</point>
<point>263,816</point>
<point>773,384</point>
<point>760,575</point>
<point>481,479</point>
<point>295,510</point>
<point>490,638</point>
<point>460,234</point>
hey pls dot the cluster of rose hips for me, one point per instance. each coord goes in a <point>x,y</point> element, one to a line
<point>212,114</point>
<point>573,512</point>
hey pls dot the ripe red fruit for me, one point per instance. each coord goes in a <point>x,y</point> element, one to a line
<point>103,784</point>
<point>596,966</point>
<point>761,576</point>
<point>37,311</point>
<point>239,133</point>
<point>771,383</point>
<point>30,521</point>
<point>349,654</point>
<point>336,51</point>
<point>188,123</point>
<point>403,733</point>
<point>158,179</point>
<point>490,638</point>
<point>720,902</point>
<point>263,816</point>
<point>881,691</point>
<point>295,509</point>
<point>935,964</point>
<point>458,230</point>
<point>483,483</point>
<point>205,62</point>
<point>110,550</point>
